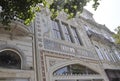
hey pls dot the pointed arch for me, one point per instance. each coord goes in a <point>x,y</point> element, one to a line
<point>60,65</point>
<point>74,69</point>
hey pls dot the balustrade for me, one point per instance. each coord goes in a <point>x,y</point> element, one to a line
<point>67,49</point>
<point>96,77</point>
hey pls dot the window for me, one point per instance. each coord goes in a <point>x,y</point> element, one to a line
<point>74,69</point>
<point>66,32</point>
<point>86,27</point>
<point>10,59</point>
<point>75,35</point>
<point>106,54</point>
<point>117,54</point>
<point>113,58</point>
<point>99,52</point>
<point>56,33</point>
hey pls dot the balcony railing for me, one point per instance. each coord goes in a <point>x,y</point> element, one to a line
<point>77,76</point>
<point>63,48</point>
<point>98,35</point>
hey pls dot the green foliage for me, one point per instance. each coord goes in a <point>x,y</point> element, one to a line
<point>25,9</point>
<point>117,35</point>
<point>22,9</point>
<point>71,7</point>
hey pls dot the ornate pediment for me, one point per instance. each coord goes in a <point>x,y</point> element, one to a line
<point>16,29</point>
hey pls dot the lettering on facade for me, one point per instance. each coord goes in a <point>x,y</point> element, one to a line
<point>59,47</point>
<point>67,49</point>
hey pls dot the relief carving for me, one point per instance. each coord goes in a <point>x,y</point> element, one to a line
<point>52,62</point>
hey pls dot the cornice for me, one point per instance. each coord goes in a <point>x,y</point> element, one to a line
<point>100,26</point>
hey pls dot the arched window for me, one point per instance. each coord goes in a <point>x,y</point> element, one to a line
<point>98,50</point>
<point>74,69</point>
<point>10,59</point>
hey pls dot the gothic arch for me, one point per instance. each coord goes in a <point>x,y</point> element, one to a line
<point>74,69</point>
<point>60,65</point>
<point>15,50</point>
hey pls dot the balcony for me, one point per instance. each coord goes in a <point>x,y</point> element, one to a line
<point>99,36</point>
<point>67,49</point>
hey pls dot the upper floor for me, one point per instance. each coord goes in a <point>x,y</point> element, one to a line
<point>63,36</point>
<point>75,37</point>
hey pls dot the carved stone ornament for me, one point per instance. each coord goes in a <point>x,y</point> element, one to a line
<point>52,62</point>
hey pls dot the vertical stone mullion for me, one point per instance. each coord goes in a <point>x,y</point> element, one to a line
<point>62,30</point>
<point>71,33</point>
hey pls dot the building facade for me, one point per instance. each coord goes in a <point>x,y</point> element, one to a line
<point>78,49</point>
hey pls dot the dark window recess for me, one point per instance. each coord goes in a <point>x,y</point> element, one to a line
<point>10,59</point>
<point>113,75</point>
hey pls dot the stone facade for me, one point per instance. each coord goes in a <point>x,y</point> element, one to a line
<point>19,41</point>
<point>78,49</point>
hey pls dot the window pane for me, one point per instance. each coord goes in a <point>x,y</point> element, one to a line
<point>106,55</point>
<point>55,25</point>
<point>99,53</point>
<point>117,54</point>
<point>74,69</point>
<point>56,33</point>
<point>75,35</point>
<point>66,33</point>
<point>112,57</point>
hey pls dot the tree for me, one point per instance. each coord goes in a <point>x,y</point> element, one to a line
<point>25,9</point>
<point>117,35</point>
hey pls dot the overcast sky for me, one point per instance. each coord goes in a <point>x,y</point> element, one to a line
<point>107,13</point>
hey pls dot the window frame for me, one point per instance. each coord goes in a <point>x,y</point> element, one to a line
<point>56,30</point>
<point>100,55</point>
<point>66,32</point>
<point>76,36</point>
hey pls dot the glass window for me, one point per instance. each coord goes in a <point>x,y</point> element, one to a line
<point>99,52</point>
<point>10,59</point>
<point>74,69</point>
<point>75,35</point>
<point>117,54</point>
<point>66,32</point>
<point>106,54</point>
<point>112,56</point>
<point>56,32</point>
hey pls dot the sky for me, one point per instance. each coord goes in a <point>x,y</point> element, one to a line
<point>108,13</point>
